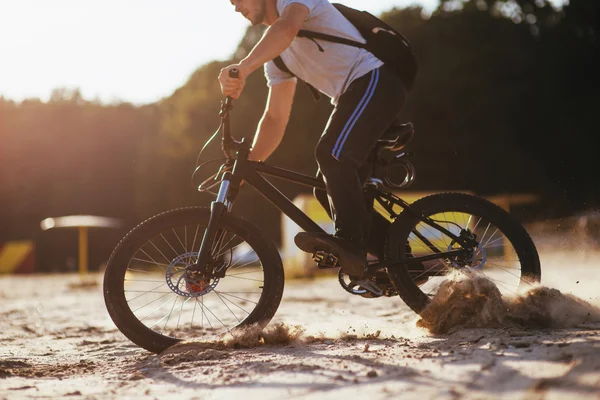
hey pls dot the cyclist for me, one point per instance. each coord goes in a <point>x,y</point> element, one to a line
<point>367,96</point>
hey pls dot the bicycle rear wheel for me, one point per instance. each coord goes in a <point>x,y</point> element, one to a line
<point>155,304</point>
<point>504,252</point>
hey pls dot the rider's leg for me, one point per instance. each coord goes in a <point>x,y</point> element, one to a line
<point>378,225</point>
<point>362,115</point>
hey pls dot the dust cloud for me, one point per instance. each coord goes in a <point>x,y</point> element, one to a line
<point>476,302</point>
<point>280,334</point>
<point>473,302</point>
<point>215,347</point>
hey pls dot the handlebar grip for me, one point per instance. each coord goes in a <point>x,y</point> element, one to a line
<point>234,73</point>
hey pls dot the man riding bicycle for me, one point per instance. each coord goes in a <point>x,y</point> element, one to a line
<point>367,96</point>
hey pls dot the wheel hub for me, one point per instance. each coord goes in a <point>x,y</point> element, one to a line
<point>475,257</point>
<point>185,282</point>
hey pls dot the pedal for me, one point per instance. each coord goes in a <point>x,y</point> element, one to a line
<point>370,286</point>
<point>325,260</point>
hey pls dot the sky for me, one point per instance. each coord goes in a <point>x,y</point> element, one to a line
<point>137,51</point>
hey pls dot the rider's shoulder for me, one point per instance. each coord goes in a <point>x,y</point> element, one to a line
<point>315,7</point>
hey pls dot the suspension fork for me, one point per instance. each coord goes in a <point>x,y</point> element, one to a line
<point>217,209</point>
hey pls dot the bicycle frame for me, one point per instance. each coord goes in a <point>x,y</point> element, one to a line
<point>253,172</point>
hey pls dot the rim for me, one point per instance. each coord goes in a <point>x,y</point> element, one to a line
<point>494,258</point>
<point>162,297</point>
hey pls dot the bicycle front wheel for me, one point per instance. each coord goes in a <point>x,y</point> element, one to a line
<point>153,302</point>
<point>502,251</point>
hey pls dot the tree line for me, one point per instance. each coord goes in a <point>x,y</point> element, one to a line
<point>504,102</point>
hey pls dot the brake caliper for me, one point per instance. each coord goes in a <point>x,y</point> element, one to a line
<point>195,287</point>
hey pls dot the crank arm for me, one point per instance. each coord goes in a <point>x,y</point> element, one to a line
<point>368,285</point>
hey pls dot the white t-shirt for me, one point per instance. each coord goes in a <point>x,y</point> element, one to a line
<point>332,70</point>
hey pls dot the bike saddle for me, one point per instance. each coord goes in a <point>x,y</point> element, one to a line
<point>397,137</point>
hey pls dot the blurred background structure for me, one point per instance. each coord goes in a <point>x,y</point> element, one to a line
<point>505,102</point>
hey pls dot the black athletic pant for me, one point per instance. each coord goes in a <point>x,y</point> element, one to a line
<point>363,113</point>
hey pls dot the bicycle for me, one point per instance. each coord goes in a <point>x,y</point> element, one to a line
<point>198,271</point>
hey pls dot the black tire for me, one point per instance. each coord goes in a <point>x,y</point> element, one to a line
<point>407,278</point>
<point>138,249</point>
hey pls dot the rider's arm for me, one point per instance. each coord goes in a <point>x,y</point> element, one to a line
<point>274,121</point>
<point>277,38</point>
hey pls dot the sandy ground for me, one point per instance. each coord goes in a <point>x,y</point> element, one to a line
<point>57,340</point>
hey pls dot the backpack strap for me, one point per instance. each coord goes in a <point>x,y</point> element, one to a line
<point>281,65</point>
<point>330,38</point>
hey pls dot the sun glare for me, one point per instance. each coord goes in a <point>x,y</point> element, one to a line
<point>135,50</point>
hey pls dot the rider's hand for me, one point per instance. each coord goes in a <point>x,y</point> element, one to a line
<point>232,86</point>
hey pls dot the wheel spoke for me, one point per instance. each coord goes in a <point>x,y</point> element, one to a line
<point>477,224</point>
<point>169,315</point>
<point>223,245</point>
<point>169,244</point>
<point>203,313</point>
<point>145,292</point>
<point>231,249</point>
<point>241,277</point>
<point>505,269</point>
<point>491,237</point>
<point>237,297</point>
<point>151,258</point>
<point>193,313</point>
<point>181,311</point>
<point>220,298</point>
<point>429,269</point>
<point>488,243</point>
<point>243,265</point>
<point>484,233</point>
<point>159,251</point>
<point>195,237</point>
<point>224,326</point>
<point>235,304</point>
<point>243,273</point>
<point>138,270</point>
<point>156,309</point>
<point>158,298</point>
<point>180,242</point>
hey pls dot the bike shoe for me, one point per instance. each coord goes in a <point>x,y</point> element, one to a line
<point>350,259</point>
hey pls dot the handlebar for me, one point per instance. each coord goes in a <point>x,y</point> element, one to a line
<point>229,146</point>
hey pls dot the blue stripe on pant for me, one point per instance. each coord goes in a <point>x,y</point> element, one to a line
<point>356,115</point>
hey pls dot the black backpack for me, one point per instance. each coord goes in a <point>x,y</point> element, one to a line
<point>382,40</point>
